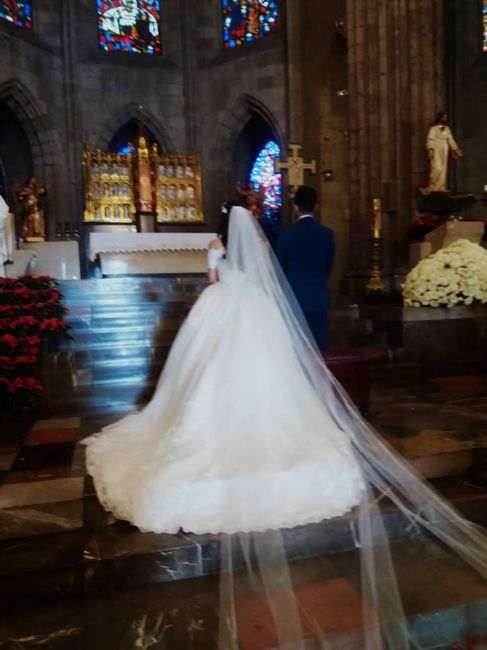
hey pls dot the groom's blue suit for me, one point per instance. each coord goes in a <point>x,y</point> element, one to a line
<point>306,252</point>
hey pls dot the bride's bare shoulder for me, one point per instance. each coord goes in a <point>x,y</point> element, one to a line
<point>215,243</point>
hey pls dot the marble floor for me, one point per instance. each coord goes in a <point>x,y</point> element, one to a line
<point>73,577</point>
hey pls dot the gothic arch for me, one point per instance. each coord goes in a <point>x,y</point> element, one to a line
<point>134,112</point>
<point>233,120</point>
<point>25,107</point>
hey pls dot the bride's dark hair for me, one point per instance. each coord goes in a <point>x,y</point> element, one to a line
<point>222,230</point>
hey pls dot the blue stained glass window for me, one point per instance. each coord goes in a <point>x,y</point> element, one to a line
<point>484,17</point>
<point>248,20</point>
<point>129,26</point>
<point>262,175</point>
<point>17,12</point>
<point>126,150</point>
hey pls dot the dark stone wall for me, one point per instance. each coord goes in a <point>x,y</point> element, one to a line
<point>467,96</point>
<point>65,92</point>
<point>324,110</point>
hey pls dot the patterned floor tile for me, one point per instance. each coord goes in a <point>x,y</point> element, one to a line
<point>41,474</point>
<point>335,606</point>
<point>49,491</point>
<point>43,456</point>
<point>42,519</point>
<point>51,436</point>
<point>7,460</point>
<point>57,423</point>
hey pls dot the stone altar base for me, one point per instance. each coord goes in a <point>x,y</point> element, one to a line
<point>442,340</point>
<point>59,259</point>
<point>445,235</point>
<point>153,262</point>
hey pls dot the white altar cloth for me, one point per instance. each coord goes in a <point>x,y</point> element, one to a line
<point>136,242</point>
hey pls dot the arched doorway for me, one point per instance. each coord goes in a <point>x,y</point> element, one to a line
<point>16,159</point>
<point>253,163</point>
<point>127,135</point>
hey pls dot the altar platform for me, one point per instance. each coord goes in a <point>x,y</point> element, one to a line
<point>75,577</point>
<point>129,253</point>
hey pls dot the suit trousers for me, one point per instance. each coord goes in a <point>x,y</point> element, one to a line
<point>318,324</point>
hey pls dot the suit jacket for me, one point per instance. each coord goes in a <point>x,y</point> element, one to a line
<point>306,252</point>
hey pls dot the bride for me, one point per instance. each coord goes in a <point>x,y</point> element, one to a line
<point>248,434</point>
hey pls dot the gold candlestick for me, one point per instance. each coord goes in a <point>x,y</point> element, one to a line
<point>375,283</point>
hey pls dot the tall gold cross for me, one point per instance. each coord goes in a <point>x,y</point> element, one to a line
<point>295,166</point>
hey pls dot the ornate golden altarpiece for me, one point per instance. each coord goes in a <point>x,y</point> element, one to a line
<point>118,186</point>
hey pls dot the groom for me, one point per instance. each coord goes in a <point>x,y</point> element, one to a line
<point>306,251</point>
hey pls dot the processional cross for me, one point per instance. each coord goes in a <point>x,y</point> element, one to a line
<point>295,167</point>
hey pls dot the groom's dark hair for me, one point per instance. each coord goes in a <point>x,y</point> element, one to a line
<point>305,199</point>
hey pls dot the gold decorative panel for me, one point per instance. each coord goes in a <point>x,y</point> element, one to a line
<point>117,186</point>
<point>109,187</point>
<point>177,188</point>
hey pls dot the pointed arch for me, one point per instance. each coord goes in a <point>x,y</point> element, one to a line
<point>235,117</point>
<point>19,99</point>
<point>130,113</point>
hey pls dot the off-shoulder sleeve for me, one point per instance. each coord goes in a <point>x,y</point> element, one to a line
<point>214,255</point>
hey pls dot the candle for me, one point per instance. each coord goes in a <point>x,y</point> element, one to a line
<point>377,210</point>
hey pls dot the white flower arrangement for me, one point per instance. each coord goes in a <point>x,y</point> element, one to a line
<point>452,276</point>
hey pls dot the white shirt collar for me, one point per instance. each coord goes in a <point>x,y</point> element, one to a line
<point>305,216</point>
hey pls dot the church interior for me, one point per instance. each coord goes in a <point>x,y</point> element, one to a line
<point>124,127</point>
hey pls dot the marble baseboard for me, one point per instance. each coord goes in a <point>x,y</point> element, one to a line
<point>435,337</point>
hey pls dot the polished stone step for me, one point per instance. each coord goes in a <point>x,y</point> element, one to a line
<point>152,334</point>
<point>95,559</point>
<point>104,355</point>
<point>443,598</point>
<point>184,615</point>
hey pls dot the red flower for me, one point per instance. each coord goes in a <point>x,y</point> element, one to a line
<point>30,321</point>
<point>53,325</point>
<point>23,291</point>
<point>32,340</point>
<point>24,359</point>
<point>6,363</point>
<point>25,382</point>
<point>10,340</point>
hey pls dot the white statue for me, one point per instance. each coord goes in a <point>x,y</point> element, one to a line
<point>439,143</point>
<point>6,235</point>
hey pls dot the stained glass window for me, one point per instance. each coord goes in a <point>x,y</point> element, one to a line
<point>17,12</point>
<point>248,20</point>
<point>484,17</point>
<point>262,175</point>
<point>129,26</point>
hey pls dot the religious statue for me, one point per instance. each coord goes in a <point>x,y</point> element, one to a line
<point>439,144</point>
<point>32,199</point>
<point>6,236</point>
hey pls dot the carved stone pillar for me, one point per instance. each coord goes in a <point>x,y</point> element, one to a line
<point>396,85</point>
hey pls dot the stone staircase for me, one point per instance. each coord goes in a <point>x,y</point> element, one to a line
<point>122,330</point>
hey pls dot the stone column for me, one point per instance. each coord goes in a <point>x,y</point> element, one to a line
<point>396,85</point>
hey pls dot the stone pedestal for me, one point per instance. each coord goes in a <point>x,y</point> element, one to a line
<point>418,251</point>
<point>450,231</point>
<point>59,259</point>
<point>443,340</point>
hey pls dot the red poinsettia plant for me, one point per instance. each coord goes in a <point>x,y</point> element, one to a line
<point>31,317</point>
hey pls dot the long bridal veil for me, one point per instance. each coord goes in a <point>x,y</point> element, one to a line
<point>259,567</point>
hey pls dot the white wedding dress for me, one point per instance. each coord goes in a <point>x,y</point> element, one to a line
<point>234,420</point>
<point>249,432</point>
